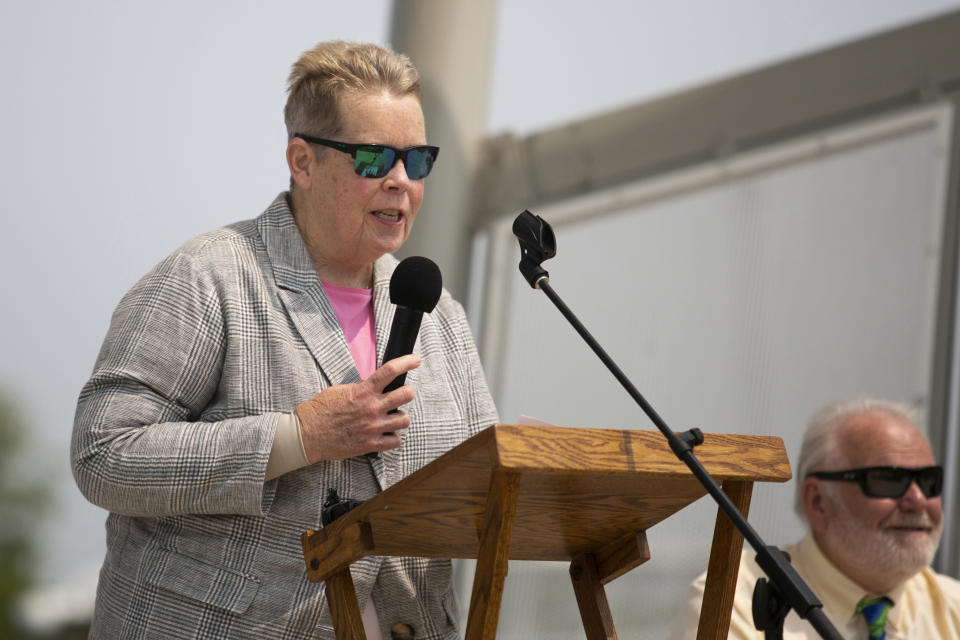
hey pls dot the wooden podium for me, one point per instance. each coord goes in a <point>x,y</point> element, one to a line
<point>586,496</point>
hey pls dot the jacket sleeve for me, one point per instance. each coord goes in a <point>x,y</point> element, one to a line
<point>144,442</point>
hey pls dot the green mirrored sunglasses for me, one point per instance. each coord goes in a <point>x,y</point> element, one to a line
<point>376,160</point>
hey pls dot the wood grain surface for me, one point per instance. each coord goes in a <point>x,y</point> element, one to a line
<point>580,489</point>
<point>547,493</point>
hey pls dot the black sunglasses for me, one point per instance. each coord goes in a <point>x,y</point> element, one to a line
<point>376,160</point>
<point>889,482</point>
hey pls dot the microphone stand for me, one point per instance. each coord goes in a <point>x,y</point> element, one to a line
<point>785,590</point>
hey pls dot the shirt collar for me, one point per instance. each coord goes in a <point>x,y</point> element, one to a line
<point>834,587</point>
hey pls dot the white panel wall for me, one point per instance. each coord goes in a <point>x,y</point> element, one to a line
<point>739,297</point>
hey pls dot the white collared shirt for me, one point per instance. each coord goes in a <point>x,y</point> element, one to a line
<point>926,607</point>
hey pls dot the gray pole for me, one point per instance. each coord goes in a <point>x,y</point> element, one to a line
<point>450,43</point>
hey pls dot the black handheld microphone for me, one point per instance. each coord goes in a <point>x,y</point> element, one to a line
<point>415,288</point>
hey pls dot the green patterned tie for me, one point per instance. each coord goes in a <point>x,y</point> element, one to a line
<point>875,611</point>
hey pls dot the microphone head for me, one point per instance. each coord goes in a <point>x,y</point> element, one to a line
<point>416,284</point>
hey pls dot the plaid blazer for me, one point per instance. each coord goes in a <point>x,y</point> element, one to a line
<point>174,428</point>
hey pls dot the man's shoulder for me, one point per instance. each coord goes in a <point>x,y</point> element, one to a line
<point>947,585</point>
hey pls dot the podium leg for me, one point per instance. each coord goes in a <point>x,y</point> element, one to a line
<point>343,606</point>
<point>592,599</point>
<point>724,566</point>
<point>493,557</point>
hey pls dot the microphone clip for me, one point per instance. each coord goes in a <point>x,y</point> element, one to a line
<point>537,243</point>
<point>335,506</point>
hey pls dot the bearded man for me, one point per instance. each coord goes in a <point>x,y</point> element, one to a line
<point>869,489</point>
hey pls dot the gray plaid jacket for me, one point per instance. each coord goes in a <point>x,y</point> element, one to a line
<point>174,428</point>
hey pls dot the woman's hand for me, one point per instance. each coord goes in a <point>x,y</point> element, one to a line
<point>348,420</point>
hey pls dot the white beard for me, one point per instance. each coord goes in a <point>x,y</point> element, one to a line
<point>878,551</point>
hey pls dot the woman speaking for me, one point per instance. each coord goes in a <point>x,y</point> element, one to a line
<point>239,383</point>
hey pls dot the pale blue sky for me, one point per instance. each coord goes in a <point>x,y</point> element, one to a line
<point>129,127</point>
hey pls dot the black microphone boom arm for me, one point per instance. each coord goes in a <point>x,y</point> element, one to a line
<point>538,243</point>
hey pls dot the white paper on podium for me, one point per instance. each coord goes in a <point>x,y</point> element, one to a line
<point>533,422</point>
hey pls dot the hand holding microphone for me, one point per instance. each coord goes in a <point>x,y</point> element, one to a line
<point>347,420</point>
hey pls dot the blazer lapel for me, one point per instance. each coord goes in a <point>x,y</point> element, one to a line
<point>383,309</point>
<point>302,294</point>
<point>387,466</point>
<point>383,318</point>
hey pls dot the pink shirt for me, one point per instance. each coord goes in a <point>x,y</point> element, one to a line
<point>354,309</point>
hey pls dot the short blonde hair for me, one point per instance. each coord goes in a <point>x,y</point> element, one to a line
<point>331,70</point>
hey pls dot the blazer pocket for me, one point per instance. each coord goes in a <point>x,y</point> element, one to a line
<point>216,586</point>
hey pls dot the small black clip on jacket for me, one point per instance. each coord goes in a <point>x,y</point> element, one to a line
<point>335,506</point>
